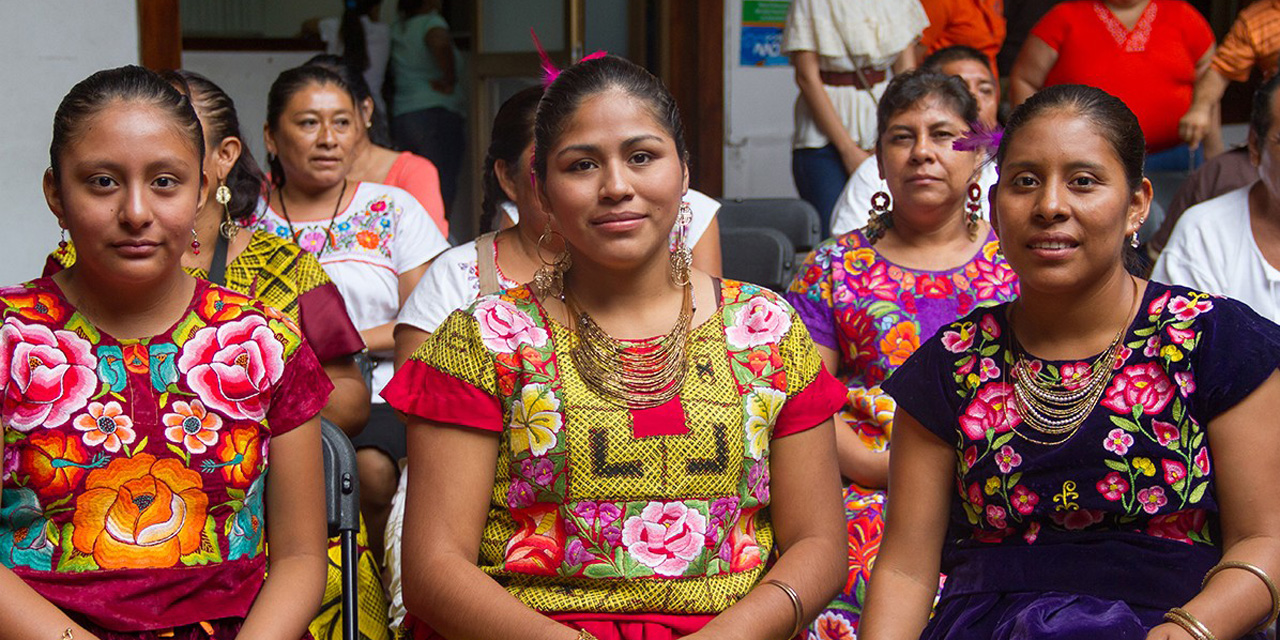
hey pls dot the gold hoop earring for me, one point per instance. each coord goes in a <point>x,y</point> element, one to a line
<point>681,254</point>
<point>548,280</point>
<point>228,228</point>
<point>880,220</point>
<point>973,209</point>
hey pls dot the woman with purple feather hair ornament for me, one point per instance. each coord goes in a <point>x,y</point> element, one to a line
<point>871,296</point>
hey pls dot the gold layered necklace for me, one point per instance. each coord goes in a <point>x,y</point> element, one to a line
<point>639,374</point>
<point>1053,405</point>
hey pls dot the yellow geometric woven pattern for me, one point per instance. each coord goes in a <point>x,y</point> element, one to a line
<point>573,483</point>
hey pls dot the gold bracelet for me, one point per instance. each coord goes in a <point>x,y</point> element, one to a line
<point>1189,623</point>
<point>1262,575</point>
<point>583,634</point>
<point>66,634</point>
<point>795,604</point>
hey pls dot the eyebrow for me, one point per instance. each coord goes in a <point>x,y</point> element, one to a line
<point>591,148</point>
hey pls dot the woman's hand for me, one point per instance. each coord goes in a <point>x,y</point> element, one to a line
<point>853,156</point>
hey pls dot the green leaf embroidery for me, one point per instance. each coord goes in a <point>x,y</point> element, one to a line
<point>72,560</point>
<point>1198,493</point>
<point>179,451</point>
<point>1116,465</point>
<point>1013,480</point>
<point>142,444</point>
<point>1127,425</point>
<point>208,550</point>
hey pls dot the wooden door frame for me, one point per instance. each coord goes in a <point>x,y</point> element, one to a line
<point>159,35</point>
<point>691,50</point>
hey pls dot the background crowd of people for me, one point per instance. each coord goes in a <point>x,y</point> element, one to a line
<point>982,408</point>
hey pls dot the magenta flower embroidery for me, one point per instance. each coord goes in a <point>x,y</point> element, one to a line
<point>1186,382</point>
<point>958,341</point>
<point>232,367</point>
<point>1202,461</point>
<point>1157,305</point>
<point>1032,533</point>
<point>1074,374</point>
<point>1166,434</point>
<point>1144,384</point>
<point>1173,471</point>
<point>1152,498</point>
<point>1024,500</point>
<point>995,516</point>
<point>992,408</point>
<point>1118,442</point>
<point>1179,336</point>
<point>989,370</point>
<point>1113,487</point>
<point>990,328</point>
<point>504,327</point>
<point>1007,459</point>
<point>312,241</point>
<point>1188,308</point>
<point>48,375</point>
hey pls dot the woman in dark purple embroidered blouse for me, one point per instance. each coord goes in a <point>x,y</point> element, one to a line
<point>1113,457</point>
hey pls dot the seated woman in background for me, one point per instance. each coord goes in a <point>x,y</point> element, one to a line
<point>375,160</point>
<point>1230,245</point>
<point>852,210</point>
<point>1148,53</point>
<point>711,442</point>
<point>871,296</point>
<point>374,241</point>
<point>255,263</point>
<point>1086,460</point>
<point>142,405</point>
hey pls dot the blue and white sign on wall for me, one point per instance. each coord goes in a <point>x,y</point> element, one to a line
<point>762,23</point>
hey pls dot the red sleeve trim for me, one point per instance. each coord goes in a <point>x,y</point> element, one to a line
<point>421,390</point>
<point>815,405</point>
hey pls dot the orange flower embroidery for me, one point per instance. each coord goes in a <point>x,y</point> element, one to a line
<point>40,306</point>
<point>56,463</point>
<point>135,357</point>
<point>192,426</point>
<point>901,341</point>
<point>140,512</point>
<point>106,425</point>
<point>368,239</point>
<point>220,305</point>
<point>241,454</point>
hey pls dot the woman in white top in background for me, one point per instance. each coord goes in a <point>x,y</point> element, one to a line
<point>844,54</point>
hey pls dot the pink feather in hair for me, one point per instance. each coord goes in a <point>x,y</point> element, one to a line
<point>549,70</point>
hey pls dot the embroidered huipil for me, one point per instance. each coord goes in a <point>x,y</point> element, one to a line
<point>874,314</point>
<point>135,470</point>
<point>597,508</point>
<point>1125,509</point>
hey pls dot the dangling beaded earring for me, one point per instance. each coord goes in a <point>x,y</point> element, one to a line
<point>1133,240</point>
<point>228,228</point>
<point>681,254</point>
<point>973,209</point>
<point>62,244</point>
<point>548,280</point>
<point>880,220</point>
<point>195,242</point>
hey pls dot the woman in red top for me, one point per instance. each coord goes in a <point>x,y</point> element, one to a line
<point>1148,53</point>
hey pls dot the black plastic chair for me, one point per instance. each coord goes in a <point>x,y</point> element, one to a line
<point>342,506</point>
<point>793,217</point>
<point>757,255</point>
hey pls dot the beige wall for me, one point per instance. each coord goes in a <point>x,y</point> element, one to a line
<point>49,46</point>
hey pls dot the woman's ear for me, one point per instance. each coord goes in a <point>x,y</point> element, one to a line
<point>225,157</point>
<point>268,140</point>
<point>52,197</point>
<point>1139,207</point>
<point>991,207</point>
<point>366,111</point>
<point>503,171</point>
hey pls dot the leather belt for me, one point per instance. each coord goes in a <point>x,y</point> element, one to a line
<point>863,78</point>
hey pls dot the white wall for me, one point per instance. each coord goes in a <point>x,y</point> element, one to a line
<point>246,76</point>
<point>50,45</point>
<point>758,121</point>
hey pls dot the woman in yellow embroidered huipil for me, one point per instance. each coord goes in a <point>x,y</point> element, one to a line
<point>609,483</point>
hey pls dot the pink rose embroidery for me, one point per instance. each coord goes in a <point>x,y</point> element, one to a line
<point>1118,442</point>
<point>665,537</point>
<point>1177,525</point>
<point>1173,471</point>
<point>992,408</point>
<point>995,516</point>
<point>759,322</point>
<point>1188,308</point>
<point>1166,433</point>
<point>233,366</point>
<point>1032,533</point>
<point>46,375</point>
<point>1202,461</point>
<point>1144,384</point>
<point>1024,500</point>
<point>1157,305</point>
<point>1076,519</point>
<point>1113,487</point>
<point>504,327</point>
<point>994,280</point>
<point>1007,459</point>
<point>1186,382</point>
<point>1152,498</point>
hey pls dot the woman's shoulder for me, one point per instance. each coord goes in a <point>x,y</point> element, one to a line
<point>1182,307</point>
<point>270,255</point>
